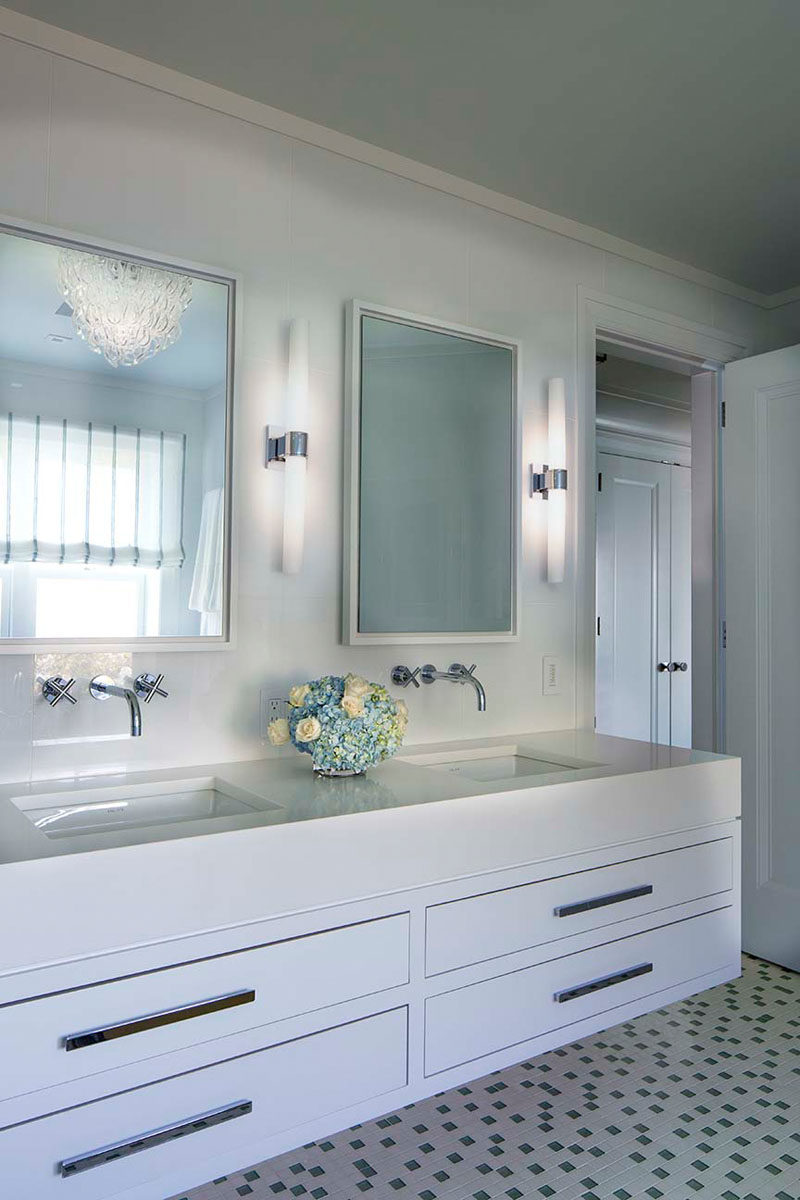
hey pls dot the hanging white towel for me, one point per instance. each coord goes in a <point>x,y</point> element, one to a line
<point>206,594</point>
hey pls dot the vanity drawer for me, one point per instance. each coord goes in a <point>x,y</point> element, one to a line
<point>462,932</point>
<point>73,1034</point>
<point>487,1017</point>
<point>99,1149</point>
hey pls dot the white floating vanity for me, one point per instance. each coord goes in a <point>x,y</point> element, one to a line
<point>202,968</point>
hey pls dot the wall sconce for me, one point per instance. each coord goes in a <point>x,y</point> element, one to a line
<point>551,482</point>
<point>288,447</point>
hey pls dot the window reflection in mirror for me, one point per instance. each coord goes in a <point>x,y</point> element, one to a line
<point>114,401</point>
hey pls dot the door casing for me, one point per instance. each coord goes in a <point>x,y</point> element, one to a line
<point>669,339</point>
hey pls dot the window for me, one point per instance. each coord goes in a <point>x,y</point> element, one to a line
<point>57,600</point>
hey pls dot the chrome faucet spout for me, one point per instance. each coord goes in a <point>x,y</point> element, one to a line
<point>456,673</point>
<point>101,688</point>
<point>465,675</point>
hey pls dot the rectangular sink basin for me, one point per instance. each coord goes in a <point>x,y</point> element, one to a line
<point>136,806</point>
<point>489,763</point>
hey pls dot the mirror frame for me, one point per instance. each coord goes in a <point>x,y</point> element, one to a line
<point>351,635</point>
<point>13,225</point>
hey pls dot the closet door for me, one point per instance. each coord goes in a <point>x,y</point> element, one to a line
<point>633,598</point>
<point>644,600</point>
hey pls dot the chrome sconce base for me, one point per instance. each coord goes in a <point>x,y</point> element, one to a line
<point>548,478</point>
<point>283,444</point>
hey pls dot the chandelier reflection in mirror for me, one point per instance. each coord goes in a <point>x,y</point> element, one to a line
<point>126,311</point>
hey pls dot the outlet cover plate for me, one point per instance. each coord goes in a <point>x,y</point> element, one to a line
<point>272,708</point>
<point>551,675</point>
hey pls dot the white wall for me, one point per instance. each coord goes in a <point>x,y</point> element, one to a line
<point>308,229</point>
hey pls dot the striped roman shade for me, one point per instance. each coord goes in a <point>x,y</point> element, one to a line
<point>77,492</point>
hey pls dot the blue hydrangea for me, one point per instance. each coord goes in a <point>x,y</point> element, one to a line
<point>347,741</point>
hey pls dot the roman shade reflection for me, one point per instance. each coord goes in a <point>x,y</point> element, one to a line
<point>74,492</point>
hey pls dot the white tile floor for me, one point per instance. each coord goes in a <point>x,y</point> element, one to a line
<point>701,1099</point>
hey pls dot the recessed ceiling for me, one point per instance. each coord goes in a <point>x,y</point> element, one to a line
<point>673,125</point>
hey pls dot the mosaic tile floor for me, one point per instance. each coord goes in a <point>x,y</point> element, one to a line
<point>701,1099</point>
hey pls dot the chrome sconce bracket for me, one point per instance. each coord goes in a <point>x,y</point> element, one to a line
<point>283,444</point>
<point>546,479</point>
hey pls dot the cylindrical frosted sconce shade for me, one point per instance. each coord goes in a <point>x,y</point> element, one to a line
<point>297,376</point>
<point>551,482</point>
<point>294,499</point>
<point>294,514</point>
<point>557,497</point>
<point>287,447</point>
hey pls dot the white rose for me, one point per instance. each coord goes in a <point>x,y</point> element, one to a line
<point>353,706</point>
<point>278,731</point>
<point>308,730</point>
<point>354,685</point>
<point>297,694</point>
<point>402,711</point>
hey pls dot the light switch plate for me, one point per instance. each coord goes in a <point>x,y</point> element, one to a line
<point>551,675</point>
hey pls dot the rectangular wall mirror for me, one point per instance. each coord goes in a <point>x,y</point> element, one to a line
<point>432,484</point>
<point>115,404</point>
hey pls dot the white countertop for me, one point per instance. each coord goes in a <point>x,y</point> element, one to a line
<point>282,789</point>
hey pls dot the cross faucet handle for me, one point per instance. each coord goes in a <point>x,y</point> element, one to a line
<point>146,686</point>
<point>56,688</point>
<point>460,669</point>
<point>403,676</point>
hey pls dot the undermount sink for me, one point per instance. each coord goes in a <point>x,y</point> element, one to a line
<point>136,806</point>
<point>488,762</point>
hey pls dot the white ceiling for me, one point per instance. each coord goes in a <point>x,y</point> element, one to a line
<point>673,125</point>
<point>29,300</point>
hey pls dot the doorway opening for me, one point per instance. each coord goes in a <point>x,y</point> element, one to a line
<point>657,546</point>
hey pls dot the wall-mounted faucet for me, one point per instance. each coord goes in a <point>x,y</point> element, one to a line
<point>456,673</point>
<point>145,687</point>
<point>103,688</point>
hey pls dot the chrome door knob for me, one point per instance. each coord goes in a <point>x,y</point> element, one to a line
<point>679,666</point>
<point>664,667</point>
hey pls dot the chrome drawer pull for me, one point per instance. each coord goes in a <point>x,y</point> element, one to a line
<point>570,910</point>
<point>597,985</point>
<point>97,1158</point>
<point>91,1037</point>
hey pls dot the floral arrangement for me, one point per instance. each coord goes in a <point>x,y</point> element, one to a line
<point>344,722</point>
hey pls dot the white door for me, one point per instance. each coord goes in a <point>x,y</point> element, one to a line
<point>761,499</point>
<point>680,578</point>
<point>643,600</point>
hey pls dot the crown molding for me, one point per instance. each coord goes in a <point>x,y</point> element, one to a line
<point>779,299</point>
<point>64,44</point>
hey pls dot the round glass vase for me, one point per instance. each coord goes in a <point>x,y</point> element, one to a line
<point>327,773</point>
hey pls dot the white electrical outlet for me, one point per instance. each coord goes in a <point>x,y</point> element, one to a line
<point>551,676</point>
<point>272,709</point>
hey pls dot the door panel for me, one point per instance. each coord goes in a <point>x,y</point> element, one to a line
<point>633,562</point>
<point>681,606</point>
<point>761,496</point>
